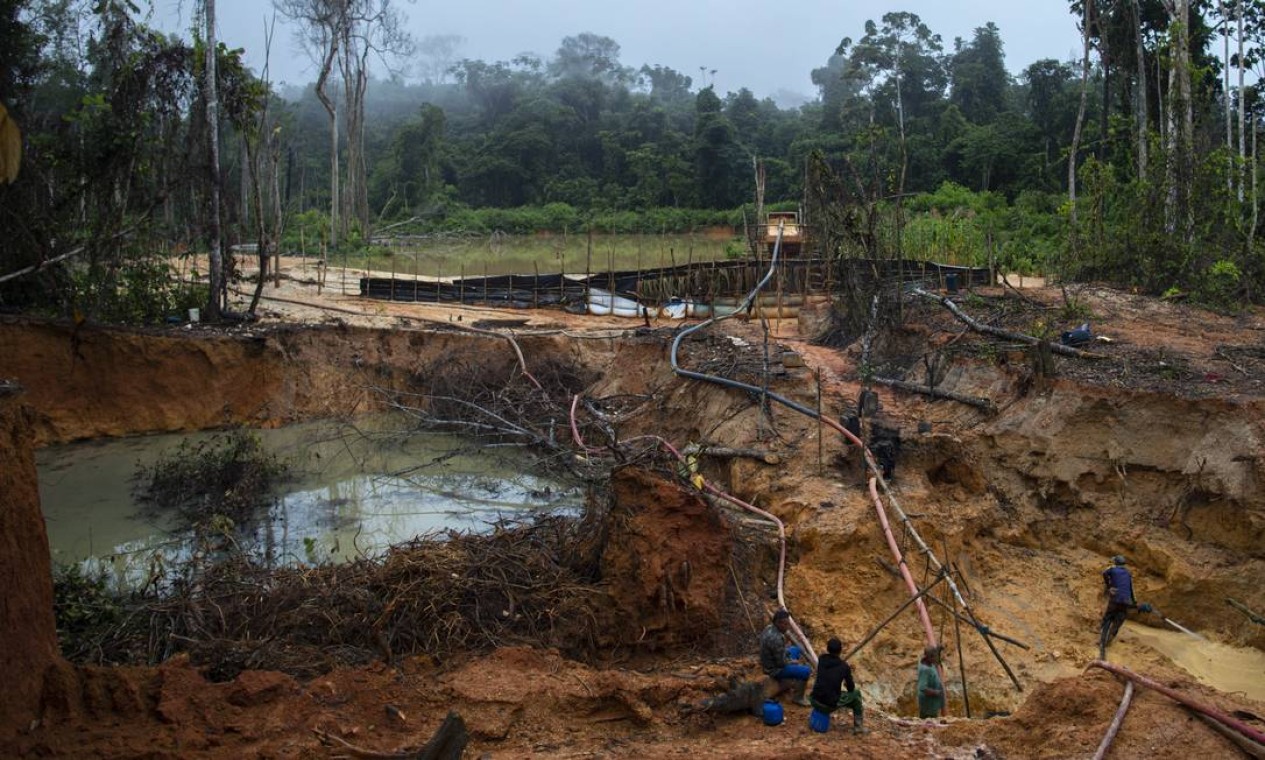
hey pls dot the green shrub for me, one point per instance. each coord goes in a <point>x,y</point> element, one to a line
<point>136,291</point>
<point>228,475</point>
<point>1219,286</point>
<point>83,607</point>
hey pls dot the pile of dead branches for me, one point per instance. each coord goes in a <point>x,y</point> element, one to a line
<point>487,397</point>
<point>526,583</point>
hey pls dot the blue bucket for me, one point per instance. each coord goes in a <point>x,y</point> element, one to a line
<point>819,721</point>
<point>772,713</point>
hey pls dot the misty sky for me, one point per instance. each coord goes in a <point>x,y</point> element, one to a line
<point>765,46</point>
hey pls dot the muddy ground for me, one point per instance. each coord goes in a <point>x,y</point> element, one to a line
<point>1152,450</point>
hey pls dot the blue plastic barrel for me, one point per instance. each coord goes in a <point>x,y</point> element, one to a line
<point>951,282</point>
<point>772,713</point>
<point>819,721</point>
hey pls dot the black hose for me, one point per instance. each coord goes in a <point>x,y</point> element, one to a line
<point>676,343</point>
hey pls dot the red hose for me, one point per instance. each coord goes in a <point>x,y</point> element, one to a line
<point>797,632</point>
<point>1211,712</point>
<point>927,628</point>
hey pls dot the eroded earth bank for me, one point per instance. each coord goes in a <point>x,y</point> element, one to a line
<point>1154,451</point>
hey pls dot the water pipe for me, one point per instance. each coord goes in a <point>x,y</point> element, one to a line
<point>1114,728</point>
<point>796,632</point>
<point>1220,717</point>
<point>923,615</point>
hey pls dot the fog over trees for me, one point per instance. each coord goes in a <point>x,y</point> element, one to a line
<point>1136,162</point>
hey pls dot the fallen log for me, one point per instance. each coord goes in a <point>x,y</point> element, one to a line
<point>1114,728</point>
<point>976,401</point>
<point>1225,720</point>
<point>980,327</point>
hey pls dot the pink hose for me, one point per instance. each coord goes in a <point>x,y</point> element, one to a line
<point>927,628</point>
<point>1211,712</point>
<point>797,632</point>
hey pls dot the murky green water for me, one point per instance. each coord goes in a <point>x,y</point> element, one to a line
<point>357,489</point>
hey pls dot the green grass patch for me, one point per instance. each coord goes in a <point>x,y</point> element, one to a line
<point>546,253</point>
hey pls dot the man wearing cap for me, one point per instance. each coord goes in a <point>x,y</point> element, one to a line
<point>773,660</point>
<point>930,687</point>
<point>1118,586</point>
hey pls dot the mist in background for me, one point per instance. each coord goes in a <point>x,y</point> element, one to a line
<point>768,48</point>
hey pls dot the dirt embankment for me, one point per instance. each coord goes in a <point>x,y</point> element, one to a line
<point>26,613</point>
<point>1026,504</point>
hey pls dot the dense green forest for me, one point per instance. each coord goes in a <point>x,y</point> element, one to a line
<point>1135,164</point>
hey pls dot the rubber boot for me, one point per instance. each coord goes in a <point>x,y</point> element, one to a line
<point>858,725</point>
<point>797,694</point>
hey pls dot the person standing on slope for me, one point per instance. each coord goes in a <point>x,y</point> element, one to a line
<point>930,687</point>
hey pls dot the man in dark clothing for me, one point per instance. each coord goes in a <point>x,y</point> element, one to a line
<point>885,445</point>
<point>833,674</point>
<point>1118,586</point>
<point>773,659</point>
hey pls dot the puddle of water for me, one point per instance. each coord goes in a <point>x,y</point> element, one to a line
<point>1221,666</point>
<point>356,490</point>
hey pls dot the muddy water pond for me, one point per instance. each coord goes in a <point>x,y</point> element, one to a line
<point>354,490</point>
<point>1227,668</point>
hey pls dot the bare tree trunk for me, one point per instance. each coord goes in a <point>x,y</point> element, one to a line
<point>353,65</point>
<point>322,81</point>
<point>1080,123</point>
<point>1225,71</point>
<point>217,299</point>
<point>1142,117</point>
<point>1179,209</point>
<point>1251,230</point>
<point>1238,12</point>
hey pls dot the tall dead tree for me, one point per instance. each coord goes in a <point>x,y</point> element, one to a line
<point>217,298</point>
<point>320,31</point>
<point>1080,119</point>
<point>345,35</point>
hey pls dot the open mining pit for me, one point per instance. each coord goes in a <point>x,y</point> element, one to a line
<point>1152,451</point>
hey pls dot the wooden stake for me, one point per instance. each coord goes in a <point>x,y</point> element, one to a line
<point>957,634</point>
<point>869,636</point>
<point>819,426</point>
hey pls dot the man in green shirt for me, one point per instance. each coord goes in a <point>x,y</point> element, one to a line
<point>930,687</point>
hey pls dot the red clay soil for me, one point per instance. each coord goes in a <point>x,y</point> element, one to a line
<point>1156,453</point>
<point>26,605</point>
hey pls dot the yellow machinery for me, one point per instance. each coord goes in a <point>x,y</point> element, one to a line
<point>792,232</point>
